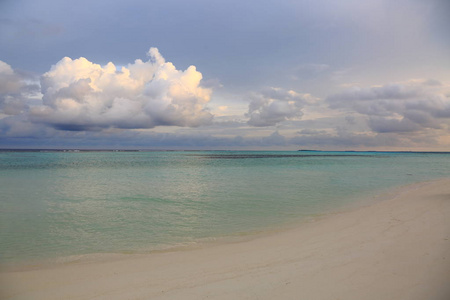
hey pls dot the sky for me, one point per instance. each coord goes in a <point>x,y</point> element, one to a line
<point>250,75</point>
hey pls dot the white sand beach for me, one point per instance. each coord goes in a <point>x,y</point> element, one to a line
<point>397,248</point>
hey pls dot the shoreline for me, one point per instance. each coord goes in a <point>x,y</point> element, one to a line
<point>328,210</point>
<point>394,247</point>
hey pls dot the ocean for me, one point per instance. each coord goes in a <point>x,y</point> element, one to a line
<point>56,205</point>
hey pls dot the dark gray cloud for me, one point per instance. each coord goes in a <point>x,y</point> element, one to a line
<point>17,131</point>
<point>153,140</point>
<point>383,125</point>
<point>311,131</point>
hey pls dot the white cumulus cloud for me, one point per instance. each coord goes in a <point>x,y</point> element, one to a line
<point>81,95</point>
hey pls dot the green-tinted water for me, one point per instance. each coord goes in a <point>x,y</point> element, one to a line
<point>56,204</point>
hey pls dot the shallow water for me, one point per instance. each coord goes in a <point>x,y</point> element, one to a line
<point>55,204</point>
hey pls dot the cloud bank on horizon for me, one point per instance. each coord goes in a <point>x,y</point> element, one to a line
<point>327,75</point>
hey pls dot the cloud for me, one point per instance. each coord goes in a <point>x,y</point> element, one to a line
<point>14,90</point>
<point>351,140</point>
<point>18,127</point>
<point>17,132</point>
<point>309,131</point>
<point>432,82</point>
<point>405,107</point>
<point>383,125</point>
<point>81,95</point>
<point>276,105</point>
<point>80,103</point>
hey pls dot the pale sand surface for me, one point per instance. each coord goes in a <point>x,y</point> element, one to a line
<point>393,249</point>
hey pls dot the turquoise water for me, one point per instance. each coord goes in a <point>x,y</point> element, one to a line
<point>57,204</point>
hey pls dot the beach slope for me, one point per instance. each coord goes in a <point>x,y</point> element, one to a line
<point>397,248</point>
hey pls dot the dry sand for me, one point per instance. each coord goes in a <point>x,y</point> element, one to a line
<point>394,249</point>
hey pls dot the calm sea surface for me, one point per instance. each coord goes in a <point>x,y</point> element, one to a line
<point>58,204</point>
